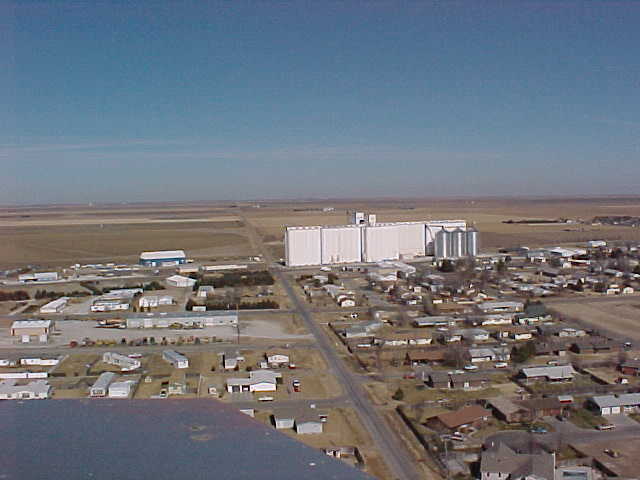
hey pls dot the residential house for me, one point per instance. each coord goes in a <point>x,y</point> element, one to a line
<point>508,411</point>
<point>258,381</point>
<point>551,348</point>
<point>277,359</point>
<point>515,332</point>
<point>439,380</point>
<point>473,334</point>
<point>309,423</point>
<point>500,307</point>
<point>543,407</point>
<point>489,354</point>
<point>176,359</point>
<point>423,357</point>
<point>557,373</point>
<point>403,339</point>
<point>125,363</point>
<point>121,389</point>
<point>473,415</point>
<point>631,367</point>
<point>500,462</point>
<point>35,390</point>
<point>101,387</point>
<point>616,404</point>
<point>468,380</point>
<point>426,322</point>
<point>284,418</point>
<point>594,345</point>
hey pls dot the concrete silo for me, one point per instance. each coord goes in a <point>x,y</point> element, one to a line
<point>472,241</point>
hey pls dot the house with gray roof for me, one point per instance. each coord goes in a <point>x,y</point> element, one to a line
<point>616,404</point>
<point>500,462</point>
<point>555,373</point>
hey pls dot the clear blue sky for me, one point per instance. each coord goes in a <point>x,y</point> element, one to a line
<point>145,101</point>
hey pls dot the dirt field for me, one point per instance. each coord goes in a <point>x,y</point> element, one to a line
<point>62,235</point>
<point>342,429</point>
<point>487,214</point>
<point>620,317</point>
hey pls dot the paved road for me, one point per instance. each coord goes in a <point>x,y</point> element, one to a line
<point>293,403</point>
<point>212,347</point>
<point>389,444</point>
<point>566,433</point>
<point>602,299</point>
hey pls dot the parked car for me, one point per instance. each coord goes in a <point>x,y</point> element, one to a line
<point>501,365</point>
<point>471,367</point>
<point>265,399</point>
<point>540,430</point>
<point>606,426</point>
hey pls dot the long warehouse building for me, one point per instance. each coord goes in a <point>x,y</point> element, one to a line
<point>365,240</point>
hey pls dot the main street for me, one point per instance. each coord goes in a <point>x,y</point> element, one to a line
<point>387,441</point>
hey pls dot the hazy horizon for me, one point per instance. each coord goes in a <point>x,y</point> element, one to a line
<point>109,102</point>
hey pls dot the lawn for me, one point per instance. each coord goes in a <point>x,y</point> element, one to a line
<point>584,418</point>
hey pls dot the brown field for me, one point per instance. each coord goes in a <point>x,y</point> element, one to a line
<point>65,245</point>
<point>61,235</point>
<point>620,316</point>
<point>486,214</point>
<point>342,428</point>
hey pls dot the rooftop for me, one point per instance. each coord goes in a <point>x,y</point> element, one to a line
<point>463,416</point>
<point>160,255</point>
<point>31,324</point>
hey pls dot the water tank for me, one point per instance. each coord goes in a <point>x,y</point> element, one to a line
<point>443,244</point>
<point>472,241</point>
<point>458,243</point>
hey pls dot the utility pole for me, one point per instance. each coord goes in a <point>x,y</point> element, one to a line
<point>237,324</point>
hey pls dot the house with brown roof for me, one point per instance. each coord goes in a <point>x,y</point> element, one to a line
<point>439,380</point>
<point>468,380</point>
<point>507,410</point>
<point>631,367</point>
<point>470,416</point>
<point>543,407</point>
<point>594,345</point>
<point>422,357</point>
<point>551,348</point>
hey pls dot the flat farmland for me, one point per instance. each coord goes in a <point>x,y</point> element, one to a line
<point>488,215</point>
<point>63,245</point>
<point>61,235</point>
<point>620,316</point>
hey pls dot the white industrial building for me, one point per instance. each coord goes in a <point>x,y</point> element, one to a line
<point>163,258</point>
<point>38,277</point>
<point>102,305</point>
<point>180,281</point>
<point>341,244</point>
<point>55,306</point>
<point>154,301</point>
<point>185,319</point>
<point>365,240</point>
